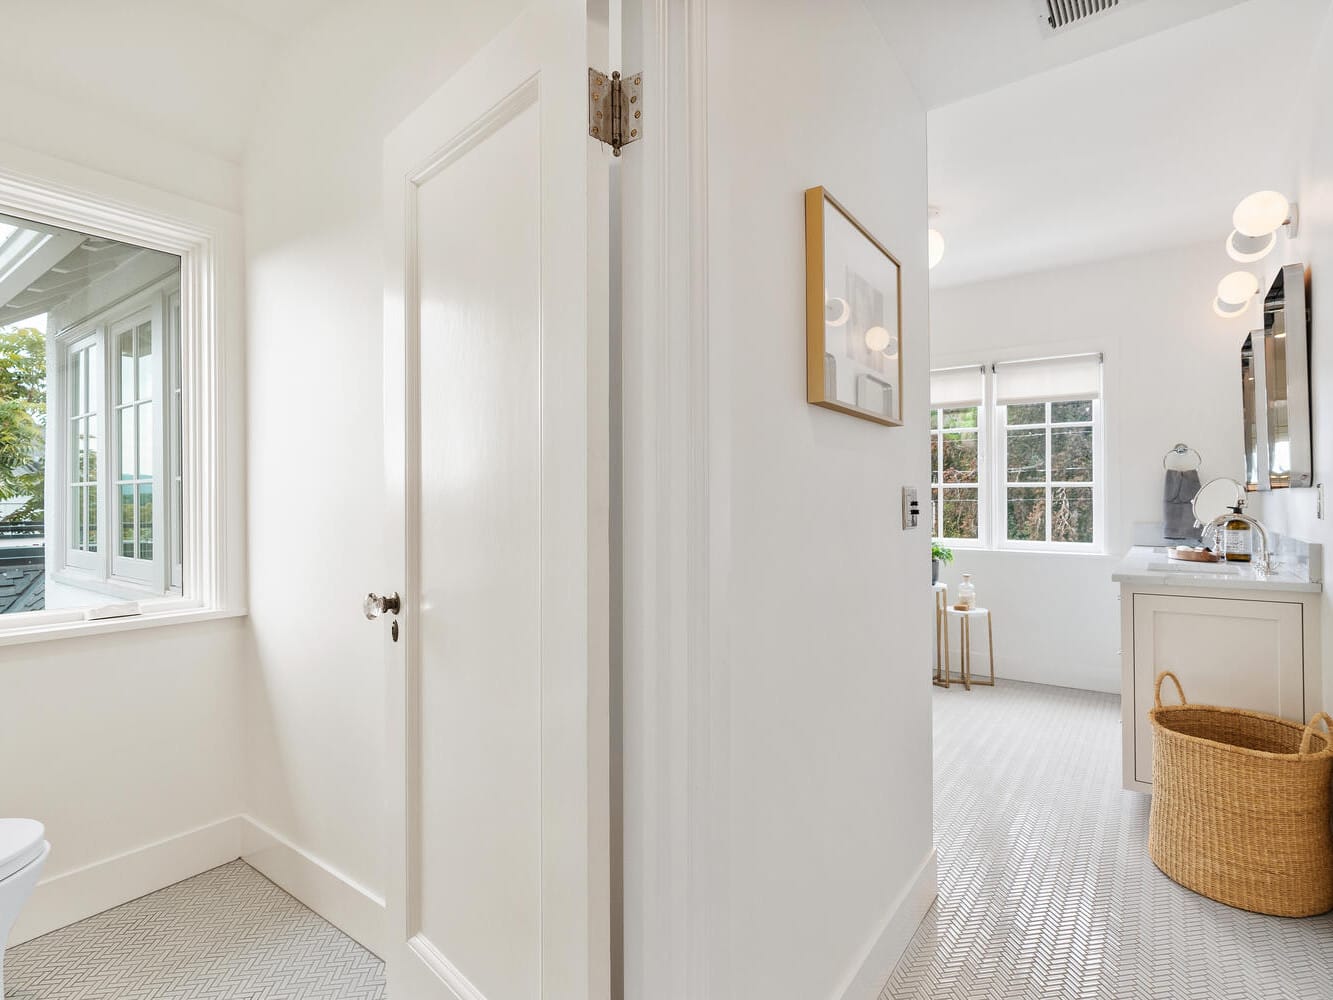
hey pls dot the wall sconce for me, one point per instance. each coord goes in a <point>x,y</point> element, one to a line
<point>1234,293</point>
<point>1257,219</point>
<point>934,240</point>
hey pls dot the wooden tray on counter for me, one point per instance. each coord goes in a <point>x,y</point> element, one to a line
<point>1190,555</point>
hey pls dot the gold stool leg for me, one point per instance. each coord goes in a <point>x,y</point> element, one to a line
<point>942,669</point>
<point>967,652</point>
<point>990,639</point>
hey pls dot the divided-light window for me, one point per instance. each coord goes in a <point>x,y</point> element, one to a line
<point>1042,421</point>
<point>1049,463</point>
<point>90,420</point>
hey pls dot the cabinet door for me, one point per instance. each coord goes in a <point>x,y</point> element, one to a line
<point>1241,654</point>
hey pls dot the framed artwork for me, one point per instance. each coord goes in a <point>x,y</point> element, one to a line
<point>854,315</point>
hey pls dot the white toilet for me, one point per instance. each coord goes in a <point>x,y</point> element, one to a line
<point>23,851</point>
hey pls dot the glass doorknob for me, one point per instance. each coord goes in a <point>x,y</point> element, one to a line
<point>374,605</point>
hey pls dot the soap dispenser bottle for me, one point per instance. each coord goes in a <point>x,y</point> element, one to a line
<point>1236,540</point>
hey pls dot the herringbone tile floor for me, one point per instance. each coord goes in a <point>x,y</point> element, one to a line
<point>1045,886</point>
<point>228,934</point>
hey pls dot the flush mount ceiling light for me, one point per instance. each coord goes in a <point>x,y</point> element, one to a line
<point>936,244</point>
<point>878,338</point>
<point>934,239</point>
<point>1228,310</point>
<point>1237,288</point>
<point>1262,213</point>
<point>1247,249</point>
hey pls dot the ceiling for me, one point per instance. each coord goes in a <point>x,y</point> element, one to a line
<point>191,70</point>
<point>1147,144</point>
<point>952,49</point>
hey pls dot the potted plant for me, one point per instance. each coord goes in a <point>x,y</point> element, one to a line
<point>938,554</point>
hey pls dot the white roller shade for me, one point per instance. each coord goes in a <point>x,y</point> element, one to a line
<point>956,386</point>
<point>1078,376</point>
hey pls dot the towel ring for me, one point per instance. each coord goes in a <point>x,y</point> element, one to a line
<point>1183,449</point>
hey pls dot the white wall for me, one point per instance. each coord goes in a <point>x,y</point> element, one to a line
<point>825,621</point>
<point>1310,183</point>
<point>124,745</point>
<point>315,235</point>
<point>117,743</point>
<point>1171,374</point>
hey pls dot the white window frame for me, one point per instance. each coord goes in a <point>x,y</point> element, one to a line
<point>1001,483</point>
<point>208,240</point>
<point>983,492</point>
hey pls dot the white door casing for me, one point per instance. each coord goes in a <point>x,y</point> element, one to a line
<point>495,404</point>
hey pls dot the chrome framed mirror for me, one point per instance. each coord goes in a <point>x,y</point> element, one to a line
<point>1275,388</point>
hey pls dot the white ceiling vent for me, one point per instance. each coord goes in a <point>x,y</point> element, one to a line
<point>1062,14</point>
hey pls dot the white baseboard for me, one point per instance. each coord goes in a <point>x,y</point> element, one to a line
<point>352,908</point>
<point>884,950</point>
<point>73,895</point>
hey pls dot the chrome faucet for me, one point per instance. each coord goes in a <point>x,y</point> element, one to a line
<point>1263,565</point>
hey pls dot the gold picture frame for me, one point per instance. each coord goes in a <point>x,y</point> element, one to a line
<point>854,315</point>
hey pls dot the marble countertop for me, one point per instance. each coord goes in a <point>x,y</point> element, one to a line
<point>1152,567</point>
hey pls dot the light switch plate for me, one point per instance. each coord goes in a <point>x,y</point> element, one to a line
<point>911,508</point>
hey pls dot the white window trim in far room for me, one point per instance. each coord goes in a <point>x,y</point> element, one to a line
<point>993,474</point>
<point>982,484</point>
<point>207,240</point>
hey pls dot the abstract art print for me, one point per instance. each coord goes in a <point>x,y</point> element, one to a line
<point>853,315</point>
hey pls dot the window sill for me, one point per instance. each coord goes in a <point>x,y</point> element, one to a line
<point>1041,550</point>
<point>44,631</point>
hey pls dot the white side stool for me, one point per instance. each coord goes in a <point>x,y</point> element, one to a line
<point>965,645</point>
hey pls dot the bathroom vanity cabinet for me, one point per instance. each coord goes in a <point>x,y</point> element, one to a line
<point>1231,638</point>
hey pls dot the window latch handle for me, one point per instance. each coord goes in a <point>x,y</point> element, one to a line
<point>374,605</point>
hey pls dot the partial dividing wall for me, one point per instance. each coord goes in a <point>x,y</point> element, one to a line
<point>1171,375</point>
<point>1311,185</point>
<point>825,619</point>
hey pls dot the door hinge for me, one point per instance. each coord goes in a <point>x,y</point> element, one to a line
<point>615,108</point>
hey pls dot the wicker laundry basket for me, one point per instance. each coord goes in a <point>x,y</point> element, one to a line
<point>1241,806</point>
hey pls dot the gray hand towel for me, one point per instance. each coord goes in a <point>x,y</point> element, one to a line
<point>1177,514</point>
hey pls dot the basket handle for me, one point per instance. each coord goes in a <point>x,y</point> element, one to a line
<point>1310,731</point>
<point>1157,689</point>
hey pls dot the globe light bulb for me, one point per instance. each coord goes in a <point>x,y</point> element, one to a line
<point>877,338</point>
<point>1261,213</point>
<point>1238,287</point>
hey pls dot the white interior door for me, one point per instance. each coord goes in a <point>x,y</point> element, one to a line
<point>496,398</point>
